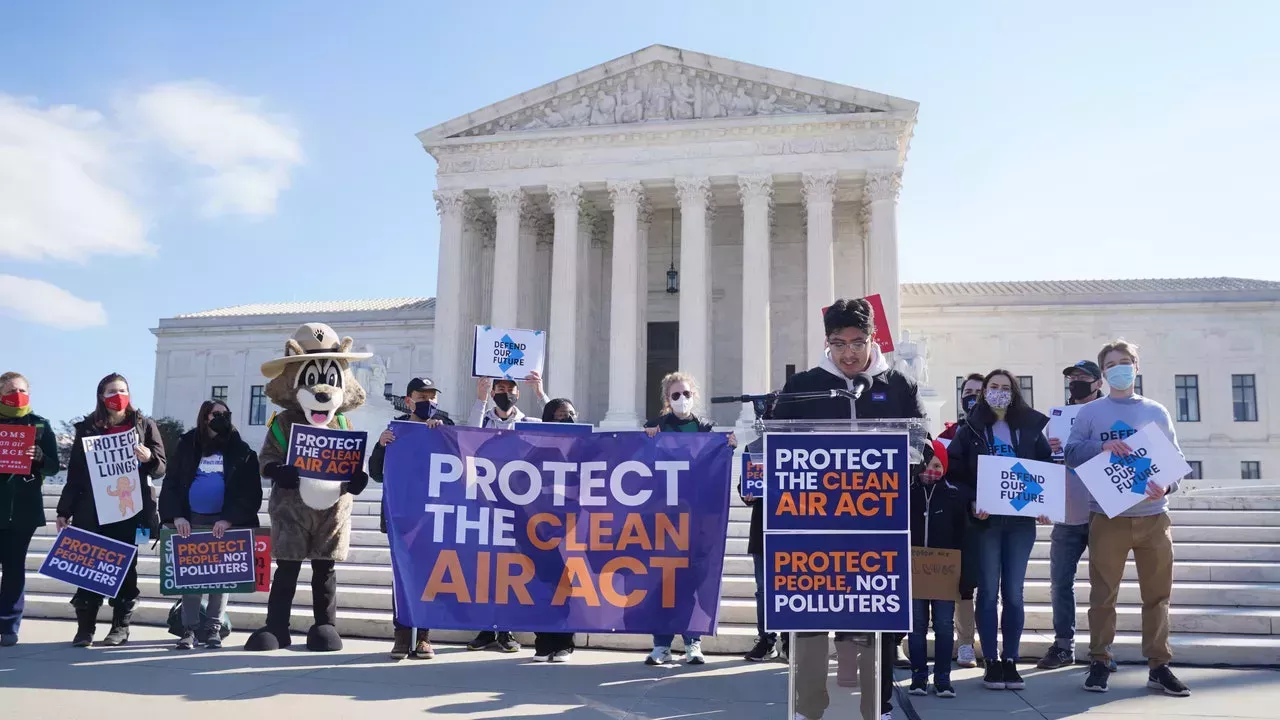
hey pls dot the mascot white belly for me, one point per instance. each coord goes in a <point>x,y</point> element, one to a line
<point>319,409</point>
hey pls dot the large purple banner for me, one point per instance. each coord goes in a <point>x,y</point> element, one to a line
<point>534,531</point>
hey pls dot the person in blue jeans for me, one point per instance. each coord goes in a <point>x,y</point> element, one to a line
<point>1000,424</point>
<point>766,646</point>
<point>939,519</point>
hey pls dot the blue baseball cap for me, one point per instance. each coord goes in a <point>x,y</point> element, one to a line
<point>1087,366</point>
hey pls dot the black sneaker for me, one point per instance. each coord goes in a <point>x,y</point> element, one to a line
<point>944,690</point>
<point>763,650</point>
<point>994,677</point>
<point>1098,675</point>
<point>507,643</point>
<point>1162,678</point>
<point>187,641</point>
<point>1012,680</point>
<point>900,659</point>
<point>919,687</point>
<point>1056,657</point>
<point>484,640</point>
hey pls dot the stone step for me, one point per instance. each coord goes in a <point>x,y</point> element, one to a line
<point>1183,571</point>
<point>1190,648</point>
<point>1259,552</point>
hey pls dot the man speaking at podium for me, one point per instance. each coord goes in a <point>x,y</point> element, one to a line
<point>853,363</point>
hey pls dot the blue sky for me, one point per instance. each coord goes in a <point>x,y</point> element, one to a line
<point>174,157</point>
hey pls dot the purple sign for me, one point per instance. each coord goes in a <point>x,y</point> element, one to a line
<point>88,560</point>
<point>326,454</point>
<point>557,533</point>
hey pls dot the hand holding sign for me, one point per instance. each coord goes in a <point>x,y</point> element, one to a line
<point>326,454</point>
<point>1142,465</point>
<point>1021,488</point>
<point>17,449</point>
<point>508,354</point>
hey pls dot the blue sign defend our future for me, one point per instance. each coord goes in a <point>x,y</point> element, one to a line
<point>1140,465</point>
<point>88,560</point>
<point>837,582</point>
<point>1031,488</point>
<point>836,481</point>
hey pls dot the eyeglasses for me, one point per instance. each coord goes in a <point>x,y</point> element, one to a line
<point>841,346</point>
<point>677,395</point>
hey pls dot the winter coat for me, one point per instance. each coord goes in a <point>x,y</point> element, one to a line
<point>241,482</point>
<point>77,502</point>
<point>668,422</point>
<point>974,438</point>
<point>21,497</point>
<point>378,459</point>
<point>939,515</point>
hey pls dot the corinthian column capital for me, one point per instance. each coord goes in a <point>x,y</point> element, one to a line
<point>755,187</point>
<point>625,193</point>
<point>818,187</point>
<point>693,190</point>
<point>882,185</point>
<point>565,196</point>
<point>507,199</point>
<point>450,201</point>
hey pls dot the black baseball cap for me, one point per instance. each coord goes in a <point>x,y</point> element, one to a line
<point>1087,366</point>
<point>420,385</point>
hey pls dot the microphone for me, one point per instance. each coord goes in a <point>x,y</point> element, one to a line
<point>739,398</point>
<point>860,383</point>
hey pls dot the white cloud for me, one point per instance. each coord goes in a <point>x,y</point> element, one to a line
<point>41,302</point>
<point>248,155</point>
<point>61,195</point>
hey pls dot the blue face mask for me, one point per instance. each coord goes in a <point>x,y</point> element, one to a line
<point>1121,377</point>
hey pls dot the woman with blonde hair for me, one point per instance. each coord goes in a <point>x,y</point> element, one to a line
<point>679,398</point>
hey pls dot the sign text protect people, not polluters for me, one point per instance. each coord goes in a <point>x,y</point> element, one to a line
<point>88,560</point>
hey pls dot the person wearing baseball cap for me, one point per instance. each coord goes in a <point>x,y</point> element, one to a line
<point>420,401</point>
<point>1070,538</point>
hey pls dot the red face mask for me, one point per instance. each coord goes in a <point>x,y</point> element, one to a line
<point>930,477</point>
<point>16,399</point>
<point>117,402</point>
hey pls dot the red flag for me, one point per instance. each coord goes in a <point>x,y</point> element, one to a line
<point>882,336</point>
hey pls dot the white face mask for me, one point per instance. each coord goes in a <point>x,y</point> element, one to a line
<point>682,406</point>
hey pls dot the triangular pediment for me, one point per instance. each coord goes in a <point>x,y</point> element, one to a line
<point>662,84</point>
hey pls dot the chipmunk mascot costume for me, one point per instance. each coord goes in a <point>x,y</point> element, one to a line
<point>310,519</point>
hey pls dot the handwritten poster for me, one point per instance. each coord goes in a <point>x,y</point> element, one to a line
<point>113,474</point>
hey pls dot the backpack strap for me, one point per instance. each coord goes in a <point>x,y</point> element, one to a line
<point>342,421</point>
<point>276,432</point>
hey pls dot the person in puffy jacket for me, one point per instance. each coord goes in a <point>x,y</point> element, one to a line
<point>113,413</point>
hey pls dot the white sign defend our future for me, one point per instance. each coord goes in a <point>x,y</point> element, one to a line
<point>1022,488</point>
<point>113,473</point>
<point>1120,482</point>
<point>1060,421</point>
<point>507,354</point>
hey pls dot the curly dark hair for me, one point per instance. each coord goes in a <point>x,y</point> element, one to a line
<point>849,314</point>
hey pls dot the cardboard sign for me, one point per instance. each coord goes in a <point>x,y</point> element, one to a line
<point>1021,488</point>
<point>753,474</point>
<point>1060,421</point>
<point>935,574</point>
<point>261,566</point>
<point>202,559</point>
<point>113,473</point>
<point>883,336</point>
<point>507,354</point>
<point>557,428</point>
<point>15,441</point>
<point>88,560</point>
<point>326,454</point>
<point>1118,483</point>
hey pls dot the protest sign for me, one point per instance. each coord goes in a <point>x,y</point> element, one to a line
<point>1118,482</point>
<point>833,581</point>
<point>261,565</point>
<point>15,441</point>
<point>753,474</point>
<point>883,335</point>
<point>202,559</point>
<point>935,573</point>
<point>1060,421</point>
<point>609,532</point>
<point>113,474</point>
<point>557,428</point>
<point>88,560</point>
<point>326,454</point>
<point>507,354</point>
<point>1021,488</point>
<point>836,481</point>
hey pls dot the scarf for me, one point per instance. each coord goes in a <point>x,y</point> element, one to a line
<point>14,413</point>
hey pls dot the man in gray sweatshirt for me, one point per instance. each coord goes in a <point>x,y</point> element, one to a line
<point>1103,426</point>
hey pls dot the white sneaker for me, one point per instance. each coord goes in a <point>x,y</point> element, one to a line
<point>661,655</point>
<point>693,653</point>
<point>886,716</point>
<point>541,658</point>
<point>561,656</point>
<point>965,657</point>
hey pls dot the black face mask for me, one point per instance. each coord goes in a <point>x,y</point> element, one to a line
<point>503,401</point>
<point>967,403</point>
<point>1080,389</point>
<point>220,425</point>
<point>422,409</point>
<point>569,419</point>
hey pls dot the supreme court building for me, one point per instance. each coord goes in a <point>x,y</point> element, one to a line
<point>762,193</point>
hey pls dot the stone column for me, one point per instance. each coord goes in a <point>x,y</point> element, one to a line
<point>562,335</point>
<point>694,194</point>
<point>448,335</point>
<point>507,206</point>
<point>624,296</point>
<point>756,193</point>
<point>820,280</point>
<point>880,199</point>
<point>642,306</point>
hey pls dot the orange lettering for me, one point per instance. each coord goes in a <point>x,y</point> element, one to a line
<point>600,528</point>
<point>456,585</point>
<point>669,567</point>
<point>845,505</point>
<point>867,504</point>
<point>532,527</point>
<point>634,533</point>
<point>571,542</point>
<point>787,504</point>
<point>508,583</point>
<point>610,593</point>
<point>663,528</point>
<point>575,569</point>
<point>482,576</point>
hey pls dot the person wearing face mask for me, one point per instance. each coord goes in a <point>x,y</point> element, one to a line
<point>21,501</point>
<point>505,394</point>
<point>939,519</point>
<point>555,647</point>
<point>1001,423</point>
<point>679,399</point>
<point>1070,537</point>
<point>420,397</point>
<point>113,413</point>
<point>212,482</point>
<point>1103,426</point>
<point>966,628</point>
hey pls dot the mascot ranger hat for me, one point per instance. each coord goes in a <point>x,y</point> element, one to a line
<point>312,341</point>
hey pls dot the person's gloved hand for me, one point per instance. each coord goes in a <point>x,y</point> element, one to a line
<point>358,482</point>
<point>284,476</point>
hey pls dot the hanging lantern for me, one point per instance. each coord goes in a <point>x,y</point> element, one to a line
<point>673,275</point>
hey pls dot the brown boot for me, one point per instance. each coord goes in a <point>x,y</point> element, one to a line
<point>400,648</point>
<point>847,664</point>
<point>422,650</point>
